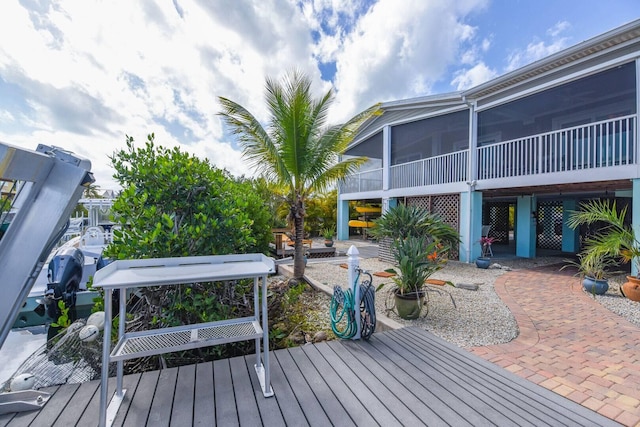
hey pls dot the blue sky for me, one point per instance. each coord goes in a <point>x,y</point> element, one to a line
<point>80,74</point>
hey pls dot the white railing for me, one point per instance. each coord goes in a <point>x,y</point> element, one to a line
<point>604,144</point>
<point>443,169</point>
<point>370,180</point>
<point>607,143</point>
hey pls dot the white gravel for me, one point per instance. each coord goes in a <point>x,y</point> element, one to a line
<point>480,317</point>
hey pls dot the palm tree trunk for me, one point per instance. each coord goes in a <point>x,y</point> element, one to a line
<point>298,222</point>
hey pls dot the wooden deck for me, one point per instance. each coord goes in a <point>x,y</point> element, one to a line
<point>402,377</point>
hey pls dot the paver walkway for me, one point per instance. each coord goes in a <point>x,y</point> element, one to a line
<point>570,344</point>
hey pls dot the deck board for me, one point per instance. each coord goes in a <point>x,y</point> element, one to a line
<point>355,409</point>
<point>437,395</point>
<point>183,399</point>
<point>161,406</point>
<point>140,402</point>
<point>81,399</point>
<point>130,383</point>
<point>402,377</point>
<point>367,396</point>
<point>269,410</point>
<point>226,411</point>
<point>485,387</point>
<point>323,393</point>
<point>50,412</point>
<point>523,396</point>
<point>312,409</point>
<point>248,413</point>
<point>288,402</point>
<point>399,396</point>
<point>203,405</point>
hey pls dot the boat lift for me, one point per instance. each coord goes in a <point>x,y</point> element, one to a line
<point>45,186</point>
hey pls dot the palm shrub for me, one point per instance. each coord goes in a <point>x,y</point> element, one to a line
<point>403,221</point>
<point>615,238</point>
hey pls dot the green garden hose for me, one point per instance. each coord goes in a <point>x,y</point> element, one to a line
<point>343,321</point>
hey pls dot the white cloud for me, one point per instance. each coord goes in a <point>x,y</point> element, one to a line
<point>539,49</point>
<point>467,78</point>
<point>83,73</point>
<point>6,117</point>
<point>92,71</point>
<point>399,49</point>
<point>559,28</point>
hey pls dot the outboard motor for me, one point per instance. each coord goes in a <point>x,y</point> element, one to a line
<point>64,274</point>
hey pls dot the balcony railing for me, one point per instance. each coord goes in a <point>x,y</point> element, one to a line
<point>602,144</point>
<point>370,180</point>
<point>443,169</point>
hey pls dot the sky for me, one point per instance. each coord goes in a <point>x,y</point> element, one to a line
<point>83,74</point>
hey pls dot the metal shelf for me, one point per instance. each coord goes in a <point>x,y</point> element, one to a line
<point>168,340</point>
<point>125,274</point>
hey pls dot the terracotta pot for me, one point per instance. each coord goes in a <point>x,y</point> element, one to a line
<point>409,305</point>
<point>631,288</point>
<point>328,243</point>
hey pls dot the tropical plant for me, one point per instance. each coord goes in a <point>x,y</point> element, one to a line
<point>328,233</point>
<point>296,149</point>
<point>594,265</point>
<point>403,221</point>
<point>615,239</point>
<point>485,244</point>
<point>175,204</point>
<point>417,259</point>
<point>321,210</point>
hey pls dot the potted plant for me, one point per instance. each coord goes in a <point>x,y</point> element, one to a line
<point>327,233</point>
<point>483,261</point>
<point>593,268</point>
<point>485,243</point>
<point>419,243</point>
<point>615,239</point>
<point>417,258</point>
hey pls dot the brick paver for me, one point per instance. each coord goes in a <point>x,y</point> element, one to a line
<point>570,344</point>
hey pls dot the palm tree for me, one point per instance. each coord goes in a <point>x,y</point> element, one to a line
<point>92,191</point>
<point>296,149</point>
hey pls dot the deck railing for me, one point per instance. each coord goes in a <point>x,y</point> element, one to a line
<point>602,144</point>
<point>443,169</point>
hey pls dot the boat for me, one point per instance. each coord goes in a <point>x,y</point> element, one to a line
<point>70,267</point>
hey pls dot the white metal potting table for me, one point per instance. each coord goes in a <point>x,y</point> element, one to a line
<point>130,274</point>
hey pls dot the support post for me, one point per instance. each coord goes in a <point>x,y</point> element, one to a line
<point>353,264</point>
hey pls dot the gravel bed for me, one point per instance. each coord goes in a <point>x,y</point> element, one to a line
<point>480,317</point>
<point>617,303</point>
